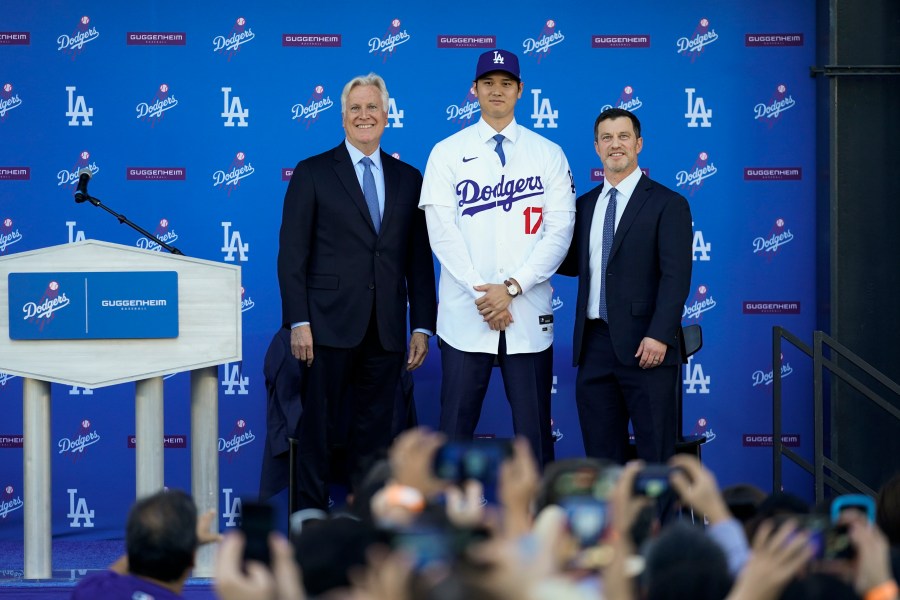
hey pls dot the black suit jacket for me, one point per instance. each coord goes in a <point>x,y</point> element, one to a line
<point>332,266</point>
<point>648,275</point>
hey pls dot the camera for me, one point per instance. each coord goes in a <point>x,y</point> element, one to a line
<point>475,459</point>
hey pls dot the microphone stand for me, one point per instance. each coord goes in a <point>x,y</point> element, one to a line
<point>82,197</point>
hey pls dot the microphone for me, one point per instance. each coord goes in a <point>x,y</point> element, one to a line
<point>84,175</point>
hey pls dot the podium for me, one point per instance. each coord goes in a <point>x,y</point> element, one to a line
<point>208,334</point>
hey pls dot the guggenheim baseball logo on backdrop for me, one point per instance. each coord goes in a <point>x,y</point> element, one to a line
<point>467,41</point>
<point>156,38</point>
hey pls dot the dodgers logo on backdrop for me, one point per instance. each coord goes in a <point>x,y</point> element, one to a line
<point>309,112</point>
<point>84,437</point>
<point>465,112</point>
<point>504,194</point>
<point>70,177</point>
<point>233,377</point>
<point>233,109</point>
<point>4,377</point>
<point>233,244</point>
<point>555,431</point>
<point>153,111</point>
<point>240,436</point>
<point>74,44</point>
<point>9,235</point>
<point>764,378</point>
<point>702,428</point>
<point>627,101</point>
<point>771,110</point>
<point>229,45</point>
<point>702,302</point>
<point>694,379</point>
<point>693,179</point>
<point>8,101</point>
<point>777,237</point>
<point>694,45</point>
<point>540,46</point>
<point>392,38</point>
<point>10,502</point>
<point>247,302</point>
<point>43,310</point>
<point>542,111</point>
<point>240,169</point>
<point>81,515</point>
<point>696,109</point>
<point>78,109</point>
<point>164,233</point>
<point>701,248</point>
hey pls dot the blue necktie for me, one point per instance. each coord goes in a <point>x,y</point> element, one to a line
<point>609,231</point>
<point>371,193</point>
<point>499,148</point>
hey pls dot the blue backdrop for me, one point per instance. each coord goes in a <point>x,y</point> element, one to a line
<point>191,116</point>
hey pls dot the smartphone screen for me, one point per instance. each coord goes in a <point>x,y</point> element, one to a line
<point>257,521</point>
<point>475,459</point>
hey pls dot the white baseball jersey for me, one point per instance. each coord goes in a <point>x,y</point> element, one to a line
<point>488,222</point>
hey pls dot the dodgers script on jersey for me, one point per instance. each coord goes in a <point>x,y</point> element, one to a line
<point>498,222</point>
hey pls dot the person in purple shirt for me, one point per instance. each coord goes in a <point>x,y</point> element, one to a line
<point>161,536</point>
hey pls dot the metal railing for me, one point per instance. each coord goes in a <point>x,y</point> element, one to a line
<point>836,476</point>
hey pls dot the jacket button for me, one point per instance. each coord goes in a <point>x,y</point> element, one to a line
<point>371,286</point>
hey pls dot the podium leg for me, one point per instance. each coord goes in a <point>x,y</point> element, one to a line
<point>148,417</point>
<point>38,521</point>
<point>205,455</point>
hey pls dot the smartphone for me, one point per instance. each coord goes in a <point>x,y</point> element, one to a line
<point>587,519</point>
<point>474,459</point>
<point>257,521</point>
<point>859,502</point>
<point>652,481</point>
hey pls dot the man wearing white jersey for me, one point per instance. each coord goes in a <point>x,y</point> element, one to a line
<point>499,202</point>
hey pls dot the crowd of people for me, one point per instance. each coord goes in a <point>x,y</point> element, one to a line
<point>586,529</point>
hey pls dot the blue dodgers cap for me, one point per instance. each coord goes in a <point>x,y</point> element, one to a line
<point>498,60</point>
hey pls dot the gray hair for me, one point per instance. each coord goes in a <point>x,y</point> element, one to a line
<point>370,79</point>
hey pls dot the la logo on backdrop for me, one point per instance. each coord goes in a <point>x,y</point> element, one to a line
<point>83,34</point>
<point>308,112</point>
<point>8,100</point>
<point>154,110</point>
<point>392,38</point>
<point>229,45</point>
<point>546,39</point>
<point>9,234</point>
<point>70,177</point>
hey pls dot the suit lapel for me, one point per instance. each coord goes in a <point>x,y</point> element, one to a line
<point>391,185</point>
<point>343,167</point>
<point>586,220</point>
<point>635,203</point>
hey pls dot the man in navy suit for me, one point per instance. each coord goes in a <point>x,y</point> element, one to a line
<point>353,250</point>
<point>632,253</point>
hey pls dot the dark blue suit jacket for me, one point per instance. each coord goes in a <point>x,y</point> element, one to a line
<point>649,271</point>
<point>333,267</point>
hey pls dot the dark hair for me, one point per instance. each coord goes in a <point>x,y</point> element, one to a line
<point>887,509</point>
<point>684,563</point>
<point>615,113</point>
<point>161,535</point>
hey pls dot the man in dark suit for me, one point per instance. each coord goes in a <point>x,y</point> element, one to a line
<point>632,252</point>
<point>353,249</point>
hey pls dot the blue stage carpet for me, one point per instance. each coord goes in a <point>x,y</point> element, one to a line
<point>71,561</point>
